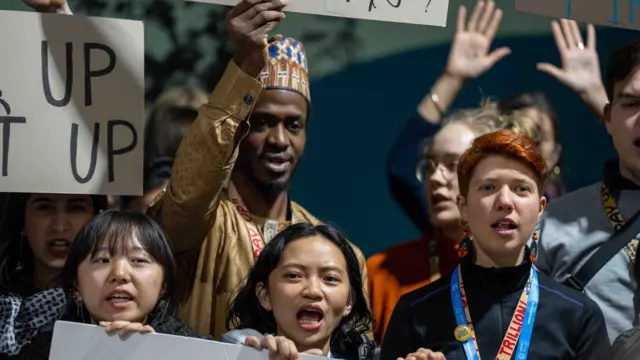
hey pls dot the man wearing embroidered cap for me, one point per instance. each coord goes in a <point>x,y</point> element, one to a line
<point>228,194</point>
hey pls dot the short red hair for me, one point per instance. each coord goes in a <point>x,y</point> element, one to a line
<point>507,143</point>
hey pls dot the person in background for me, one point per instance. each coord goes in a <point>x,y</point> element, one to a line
<point>304,295</point>
<point>499,306</point>
<point>172,114</point>
<point>536,105</point>
<point>229,191</point>
<point>36,234</point>
<point>580,71</point>
<point>412,264</point>
<point>577,224</point>
<point>120,257</point>
<point>409,265</point>
<point>177,96</point>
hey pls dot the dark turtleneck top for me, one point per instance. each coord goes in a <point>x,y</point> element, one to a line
<point>568,325</point>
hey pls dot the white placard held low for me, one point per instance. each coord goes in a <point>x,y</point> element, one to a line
<point>73,341</point>
<point>616,13</point>
<point>71,104</point>
<point>421,12</point>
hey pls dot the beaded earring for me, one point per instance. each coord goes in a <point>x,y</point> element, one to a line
<point>463,248</point>
<point>534,247</point>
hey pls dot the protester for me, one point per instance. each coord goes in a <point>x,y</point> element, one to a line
<point>579,223</point>
<point>36,234</point>
<point>305,295</point>
<point>580,72</point>
<point>410,265</point>
<point>120,274</point>
<point>228,194</point>
<point>462,65</point>
<point>501,178</point>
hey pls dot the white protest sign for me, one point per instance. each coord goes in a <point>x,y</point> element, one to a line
<point>71,104</point>
<point>421,12</point>
<point>617,13</point>
<point>73,341</point>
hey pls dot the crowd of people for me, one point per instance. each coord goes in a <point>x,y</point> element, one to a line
<point>216,249</point>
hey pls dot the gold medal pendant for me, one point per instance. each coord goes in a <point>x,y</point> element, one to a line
<point>462,333</point>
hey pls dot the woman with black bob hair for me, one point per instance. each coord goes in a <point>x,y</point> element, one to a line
<point>304,295</point>
<point>120,274</point>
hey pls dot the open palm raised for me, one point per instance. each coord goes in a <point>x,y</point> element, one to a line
<point>469,56</point>
<point>580,64</point>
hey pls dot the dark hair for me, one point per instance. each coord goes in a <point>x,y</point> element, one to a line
<point>164,131</point>
<point>622,62</point>
<point>532,99</point>
<point>16,256</point>
<point>507,143</point>
<point>164,134</point>
<point>246,312</point>
<point>117,227</point>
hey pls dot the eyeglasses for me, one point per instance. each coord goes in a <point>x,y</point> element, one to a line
<point>429,166</point>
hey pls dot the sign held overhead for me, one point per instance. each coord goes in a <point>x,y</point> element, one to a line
<point>616,13</point>
<point>71,104</point>
<point>421,12</point>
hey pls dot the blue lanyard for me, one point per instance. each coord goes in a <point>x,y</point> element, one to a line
<point>527,324</point>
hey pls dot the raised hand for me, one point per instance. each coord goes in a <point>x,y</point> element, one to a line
<point>580,65</point>
<point>124,328</point>
<point>249,24</point>
<point>469,56</point>
<point>279,347</point>
<point>424,354</point>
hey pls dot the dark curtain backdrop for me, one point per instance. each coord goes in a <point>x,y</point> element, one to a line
<point>359,111</point>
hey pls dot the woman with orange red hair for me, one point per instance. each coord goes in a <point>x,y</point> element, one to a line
<point>495,303</point>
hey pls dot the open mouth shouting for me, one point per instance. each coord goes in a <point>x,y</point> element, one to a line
<point>505,227</point>
<point>120,299</point>
<point>58,248</point>
<point>310,317</point>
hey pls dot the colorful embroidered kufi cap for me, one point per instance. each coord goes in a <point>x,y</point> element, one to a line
<point>287,66</point>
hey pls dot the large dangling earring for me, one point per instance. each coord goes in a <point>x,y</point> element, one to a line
<point>534,247</point>
<point>465,244</point>
<point>463,248</point>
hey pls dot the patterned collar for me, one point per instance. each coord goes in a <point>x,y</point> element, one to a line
<point>22,318</point>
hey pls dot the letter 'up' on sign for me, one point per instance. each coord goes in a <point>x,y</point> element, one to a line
<point>71,104</point>
<point>616,13</point>
<point>421,12</point>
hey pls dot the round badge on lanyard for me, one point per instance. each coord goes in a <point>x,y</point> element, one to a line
<point>462,333</point>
